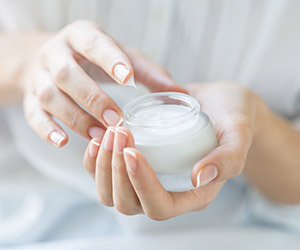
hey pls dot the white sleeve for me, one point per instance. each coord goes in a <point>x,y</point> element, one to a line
<point>265,212</point>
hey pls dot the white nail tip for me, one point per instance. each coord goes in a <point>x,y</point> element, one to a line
<point>112,129</point>
<point>122,132</point>
<point>120,122</point>
<point>95,143</point>
<point>56,138</point>
<point>130,151</point>
<point>198,179</point>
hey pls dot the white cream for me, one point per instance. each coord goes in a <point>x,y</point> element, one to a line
<point>170,131</point>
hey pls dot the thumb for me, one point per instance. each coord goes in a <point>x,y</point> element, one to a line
<point>154,77</point>
<point>225,162</point>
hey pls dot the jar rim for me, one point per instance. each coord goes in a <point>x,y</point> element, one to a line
<point>158,98</point>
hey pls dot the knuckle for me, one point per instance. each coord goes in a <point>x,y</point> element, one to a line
<point>62,73</point>
<point>95,41</point>
<point>117,167</point>
<point>75,119</point>
<point>46,94</point>
<point>108,58</point>
<point>104,169</point>
<point>91,43</point>
<point>92,99</point>
<point>108,55</point>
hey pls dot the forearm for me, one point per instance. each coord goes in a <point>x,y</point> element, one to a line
<point>273,163</point>
<point>16,52</point>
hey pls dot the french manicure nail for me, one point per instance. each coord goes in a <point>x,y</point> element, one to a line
<point>130,160</point>
<point>112,118</point>
<point>96,132</point>
<point>121,72</point>
<point>206,175</point>
<point>56,138</point>
<point>109,139</point>
<point>120,140</point>
<point>94,148</point>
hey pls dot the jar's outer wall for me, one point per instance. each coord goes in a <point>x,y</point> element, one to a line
<point>179,156</point>
<point>145,136</point>
<point>173,153</point>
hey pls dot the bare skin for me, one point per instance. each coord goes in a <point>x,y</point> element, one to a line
<point>246,130</point>
<point>44,71</point>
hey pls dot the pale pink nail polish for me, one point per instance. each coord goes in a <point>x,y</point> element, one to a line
<point>109,139</point>
<point>112,118</point>
<point>56,138</point>
<point>94,148</point>
<point>121,72</point>
<point>120,140</point>
<point>130,160</point>
<point>206,175</point>
<point>96,132</point>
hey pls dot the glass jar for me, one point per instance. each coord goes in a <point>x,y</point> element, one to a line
<point>172,133</point>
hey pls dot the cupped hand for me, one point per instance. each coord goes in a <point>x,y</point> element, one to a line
<point>125,180</point>
<point>55,84</point>
<point>235,114</point>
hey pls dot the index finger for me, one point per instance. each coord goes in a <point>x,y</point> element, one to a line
<point>72,80</point>
<point>92,43</point>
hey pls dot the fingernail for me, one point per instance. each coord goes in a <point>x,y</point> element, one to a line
<point>56,138</point>
<point>94,148</point>
<point>120,140</point>
<point>112,118</point>
<point>130,160</point>
<point>121,72</point>
<point>109,139</point>
<point>96,132</point>
<point>206,175</point>
<point>130,82</point>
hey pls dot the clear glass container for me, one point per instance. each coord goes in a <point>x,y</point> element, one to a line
<point>172,133</point>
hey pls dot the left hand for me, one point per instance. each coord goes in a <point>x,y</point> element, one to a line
<point>126,181</point>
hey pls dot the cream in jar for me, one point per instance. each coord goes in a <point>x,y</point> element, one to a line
<point>172,133</point>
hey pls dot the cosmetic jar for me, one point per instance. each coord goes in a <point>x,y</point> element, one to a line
<point>170,130</point>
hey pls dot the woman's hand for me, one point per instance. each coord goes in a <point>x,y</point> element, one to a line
<point>125,180</point>
<point>55,84</point>
<point>235,113</point>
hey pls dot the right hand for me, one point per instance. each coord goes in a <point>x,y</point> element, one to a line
<point>55,84</point>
